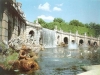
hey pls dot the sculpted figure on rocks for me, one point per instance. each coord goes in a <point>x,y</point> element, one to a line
<point>26,61</point>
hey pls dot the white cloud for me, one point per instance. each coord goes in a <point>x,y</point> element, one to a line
<point>57,9</point>
<point>46,17</point>
<point>45,6</point>
<point>60,4</point>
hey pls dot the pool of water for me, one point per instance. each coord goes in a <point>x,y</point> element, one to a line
<point>61,61</point>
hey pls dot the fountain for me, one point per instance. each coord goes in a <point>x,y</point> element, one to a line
<point>72,45</point>
<point>58,60</point>
<point>62,59</point>
<point>73,50</point>
<point>49,40</point>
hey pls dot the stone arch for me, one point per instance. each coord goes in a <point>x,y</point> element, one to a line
<point>95,43</point>
<point>89,42</point>
<point>65,40</point>
<point>81,41</point>
<point>73,41</point>
<point>31,33</point>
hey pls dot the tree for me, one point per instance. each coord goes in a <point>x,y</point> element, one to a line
<point>96,27</point>
<point>51,25</point>
<point>58,20</point>
<point>87,25</point>
<point>92,25</point>
<point>41,21</point>
<point>76,23</point>
<point>73,26</point>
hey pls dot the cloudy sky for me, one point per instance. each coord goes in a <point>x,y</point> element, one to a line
<point>85,11</point>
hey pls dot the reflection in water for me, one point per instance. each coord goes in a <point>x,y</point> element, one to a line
<point>56,61</point>
<point>64,61</point>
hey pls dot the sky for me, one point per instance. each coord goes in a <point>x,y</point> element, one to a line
<point>85,11</point>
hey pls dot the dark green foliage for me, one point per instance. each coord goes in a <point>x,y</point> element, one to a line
<point>90,29</point>
<point>59,20</point>
<point>42,22</point>
<point>76,23</point>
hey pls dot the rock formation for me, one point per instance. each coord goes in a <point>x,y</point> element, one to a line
<point>26,60</point>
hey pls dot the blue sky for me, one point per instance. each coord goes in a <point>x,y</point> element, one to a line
<point>85,11</point>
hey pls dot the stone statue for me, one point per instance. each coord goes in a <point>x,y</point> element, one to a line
<point>26,62</point>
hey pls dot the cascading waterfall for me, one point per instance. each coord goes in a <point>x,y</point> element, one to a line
<point>49,38</point>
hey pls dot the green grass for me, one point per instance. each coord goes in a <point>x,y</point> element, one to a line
<point>11,55</point>
<point>10,58</point>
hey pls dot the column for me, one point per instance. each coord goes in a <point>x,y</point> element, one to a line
<point>76,37</point>
<point>0,22</point>
<point>85,37</point>
<point>15,27</point>
<point>70,37</point>
<point>5,25</point>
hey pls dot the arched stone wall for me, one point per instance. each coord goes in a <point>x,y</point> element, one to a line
<point>89,42</point>
<point>81,41</point>
<point>78,38</point>
<point>65,40</point>
<point>31,33</point>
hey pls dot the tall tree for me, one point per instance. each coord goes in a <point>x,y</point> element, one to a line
<point>76,23</point>
<point>96,27</point>
<point>41,21</point>
<point>58,20</point>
